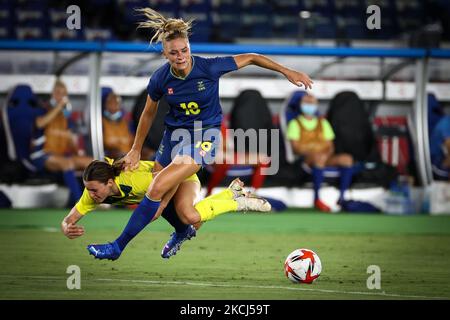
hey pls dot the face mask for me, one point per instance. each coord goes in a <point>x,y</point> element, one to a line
<point>113,116</point>
<point>309,109</point>
<point>67,110</point>
<point>67,113</point>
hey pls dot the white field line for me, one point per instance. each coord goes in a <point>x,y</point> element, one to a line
<point>224,285</point>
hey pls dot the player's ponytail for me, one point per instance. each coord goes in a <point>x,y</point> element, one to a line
<point>166,29</point>
<point>118,166</point>
<point>102,171</point>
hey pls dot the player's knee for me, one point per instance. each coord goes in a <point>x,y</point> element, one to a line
<point>187,214</point>
<point>156,191</point>
<point>319,160</point>
<point>191,219</point>
<point>346,160</point>
<point>65,164</point>
<point>188,219</point>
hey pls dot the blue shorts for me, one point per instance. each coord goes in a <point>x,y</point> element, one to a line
<point>200,145</point>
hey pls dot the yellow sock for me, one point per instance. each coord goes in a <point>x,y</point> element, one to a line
<point>210,208</point>
<point>225,194</point>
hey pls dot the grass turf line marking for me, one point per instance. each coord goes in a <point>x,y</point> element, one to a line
<point>224,285</point>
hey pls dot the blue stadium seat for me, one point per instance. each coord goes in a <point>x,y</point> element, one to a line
<point>435,112</point>
<point>287,7</point>
<point>7,32</point>
<point>201,34</point>
<point>324,26</point>
<point>226,7</point>
<point>202,26</point>
<point>352,27</point>
<point>168,8</point>
<point>102,3</point>
<point>383,4</point>
<point>94,34</point>
<point>128,8</point>
<point>32,33</point>
<point>20,112</point>
<point>62,33</point>
<point>40,5</point>
<point>256,7</point>
<point>325,7</point>
<point>57,17</point>
<point>410,14</point>
<point>195,5</point>
<point>388,30</point>
<point>288,111</point>
<point>7,21</point>
<point>256,25</point>
<point>286,25</point>
<point>105,91</point>
<point>256,19</point>
<point>348,8</point>
<point>226,26</point>
<point>6,13</point>
<point>31,18</point>
<point>408,5</point>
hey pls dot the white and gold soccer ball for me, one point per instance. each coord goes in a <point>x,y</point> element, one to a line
<point>302,266</point>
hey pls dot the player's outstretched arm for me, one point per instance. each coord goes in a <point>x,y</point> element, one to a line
<point>132,158</point>
<point>296,77</point>
<point>69,227</point>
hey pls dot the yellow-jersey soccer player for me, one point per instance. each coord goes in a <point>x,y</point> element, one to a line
<point>106,182</point>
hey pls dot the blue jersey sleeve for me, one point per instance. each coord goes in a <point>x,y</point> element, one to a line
<point>220,65</point>
<point>153,89</point>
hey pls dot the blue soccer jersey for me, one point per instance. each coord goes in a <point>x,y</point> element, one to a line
<point>195,97</point>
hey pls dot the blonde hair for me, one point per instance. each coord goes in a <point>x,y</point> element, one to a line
<point>166,29</point>
<point>59,84</point>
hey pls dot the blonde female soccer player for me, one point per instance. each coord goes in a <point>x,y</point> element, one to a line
<point>190,85</point>
<point>106,182</point>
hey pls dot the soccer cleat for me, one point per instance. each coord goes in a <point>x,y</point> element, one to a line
<point>252,202</point>
<point>176,240</point>
<point>318,204</point>
<point>110,251</point>
<point>237,187</point>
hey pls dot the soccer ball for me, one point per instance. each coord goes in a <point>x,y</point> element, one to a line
<point>302,266</point>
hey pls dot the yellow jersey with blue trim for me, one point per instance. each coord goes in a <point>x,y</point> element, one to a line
<point>132,186</point>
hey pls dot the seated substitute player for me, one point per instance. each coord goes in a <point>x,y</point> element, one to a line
<point>311,137</point>
<point>117,135</point>
<point>53,147</point>
<point>106,182</point>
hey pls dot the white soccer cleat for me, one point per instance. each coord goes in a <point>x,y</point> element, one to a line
<point>252,202</point>
<point>237,187</point>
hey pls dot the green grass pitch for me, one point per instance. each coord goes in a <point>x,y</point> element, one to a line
<point>235,256</point>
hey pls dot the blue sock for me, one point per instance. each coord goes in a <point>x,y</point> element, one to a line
<point>317,176</point>
<point>346,180</point>
<point>140,218</point>
<point>70,180</point>
<point>170,214</point>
